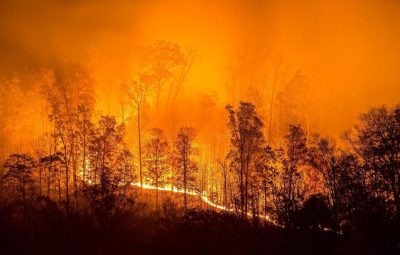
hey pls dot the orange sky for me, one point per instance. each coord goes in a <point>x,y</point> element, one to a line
<point>348,50</point>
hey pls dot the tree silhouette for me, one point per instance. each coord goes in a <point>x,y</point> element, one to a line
<point>111,171</point>
<point>224,168</point>
<point>291,190</point>
<point>19,178</point>
<point>186,166</point>
<point>70,97</point>
<point>323,157</point>
<point>53,164</point>
<point>156,160</point>
<point>377,141</point>
<point>267,170</point>
<point>138,91</point>
<point>162,63</point>
<point>246,140</point>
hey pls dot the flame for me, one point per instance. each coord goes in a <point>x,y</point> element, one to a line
<point>202,195</point>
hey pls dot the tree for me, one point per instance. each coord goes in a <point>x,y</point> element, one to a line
<point>224,168</point>
<point>70,97</point>
<point>377,142</point>
<point>138,92</point>
<point>293,104</point>
<point>267,170</point>
<point>186,166</point>
<point>85,125</point>
<point>246,140</point>
<point>156,160</point>
<point>336,170</point>
<point>164,63</point>
<point>277,72</point>
<point>111,171</point>
<point>323,158</point>
<point>19,178</point>
<point>53,164</point>
<point>354,194</point>
<point>290,188</point>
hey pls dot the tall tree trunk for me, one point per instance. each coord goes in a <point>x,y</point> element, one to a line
<point>140,148</point>
<point>276,70</point>
<point>156,189</point>
<point>246,190</point>
<point>67,202</point>
<point>265,202</point>
<point>172,174</point>
<point>74,176</point>
<point>59,190</point>
<point>185,181</point>
<point>84,153</point>
<point>225,188</point>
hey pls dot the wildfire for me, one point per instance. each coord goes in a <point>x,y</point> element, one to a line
<point>202,195</point>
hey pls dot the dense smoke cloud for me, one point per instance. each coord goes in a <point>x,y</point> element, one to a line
<point>347,51</point>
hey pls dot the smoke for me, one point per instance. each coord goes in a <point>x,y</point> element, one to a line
<point>348,51</point>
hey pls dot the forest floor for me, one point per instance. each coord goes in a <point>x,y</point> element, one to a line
<point>170,231</point>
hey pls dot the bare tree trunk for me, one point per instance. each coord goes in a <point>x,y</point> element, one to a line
<point>74,176</point>
<point>67,203</point>
<point>84,153</point>
<point>246,190</point>
<point>59,190</point>
<point>156,189</point>
<point>265,202</point>
<point>140,148</point>
<point>225,188</point>
<point>185,181</point>
<point>172,174</point>
<point>241,176</point>
<point>271,104</point>
<point>71,141</point>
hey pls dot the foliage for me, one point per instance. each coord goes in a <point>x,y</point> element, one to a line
<point>184,157</point>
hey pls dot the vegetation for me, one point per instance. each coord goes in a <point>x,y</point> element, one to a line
<point>82,189</point>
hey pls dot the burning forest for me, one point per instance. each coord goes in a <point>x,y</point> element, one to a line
<point>199,127</point>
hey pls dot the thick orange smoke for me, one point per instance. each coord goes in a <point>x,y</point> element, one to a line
<point>320,63</point>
